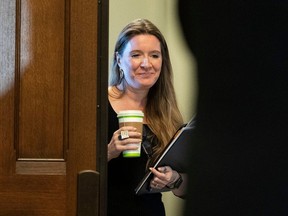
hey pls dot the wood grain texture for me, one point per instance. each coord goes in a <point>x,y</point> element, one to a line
<point>48,103</point>
<point>41,84</point>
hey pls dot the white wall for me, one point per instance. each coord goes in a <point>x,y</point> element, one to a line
<point>163,13</point>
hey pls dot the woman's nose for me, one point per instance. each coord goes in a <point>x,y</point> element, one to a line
<point>145,62</point>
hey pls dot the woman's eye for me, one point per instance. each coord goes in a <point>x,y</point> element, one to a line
<point>155,56</point>
<point>135,55</point>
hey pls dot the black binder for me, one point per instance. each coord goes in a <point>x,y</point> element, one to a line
<point>174,155</point>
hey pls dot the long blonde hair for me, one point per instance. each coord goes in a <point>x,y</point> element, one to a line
<point>162,113</point>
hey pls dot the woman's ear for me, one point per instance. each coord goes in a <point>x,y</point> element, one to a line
<point>118,57</point>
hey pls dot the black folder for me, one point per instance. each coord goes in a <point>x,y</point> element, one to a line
<point>174,155</point>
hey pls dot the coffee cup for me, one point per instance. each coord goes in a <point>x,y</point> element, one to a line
<point>132,118</point>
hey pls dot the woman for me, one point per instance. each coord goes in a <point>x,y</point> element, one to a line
<point>141,79</point>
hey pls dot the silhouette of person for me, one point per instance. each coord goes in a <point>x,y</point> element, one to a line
<point>238,159</point>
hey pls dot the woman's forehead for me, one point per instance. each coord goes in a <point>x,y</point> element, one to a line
<point>143,42</point>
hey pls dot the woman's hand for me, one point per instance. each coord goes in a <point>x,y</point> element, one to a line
<point>166,177</point>
<point>163,176</point>
<point>116,145</point>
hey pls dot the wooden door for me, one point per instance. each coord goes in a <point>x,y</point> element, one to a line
<point>50,104</point>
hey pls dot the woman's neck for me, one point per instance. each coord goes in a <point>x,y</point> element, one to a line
<point>136,98</point>
<point>129,99</point>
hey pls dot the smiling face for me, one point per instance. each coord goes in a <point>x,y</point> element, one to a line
<point>141,61</point>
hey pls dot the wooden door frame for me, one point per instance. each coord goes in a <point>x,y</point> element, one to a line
<point>102,103</point>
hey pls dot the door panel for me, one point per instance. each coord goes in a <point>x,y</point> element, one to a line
<point>48,103</point>
<point>32,195</point>
<point>40,36</point>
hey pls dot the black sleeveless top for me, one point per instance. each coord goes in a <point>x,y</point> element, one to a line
<point>124,175</point>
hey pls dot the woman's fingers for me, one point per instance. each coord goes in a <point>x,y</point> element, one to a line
<point>162,176</point>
